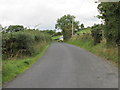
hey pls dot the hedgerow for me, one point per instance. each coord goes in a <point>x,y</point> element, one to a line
<point>22,43</point>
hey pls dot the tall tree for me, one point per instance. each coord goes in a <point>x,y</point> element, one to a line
<point>65,24</point>
<point>110,13</point>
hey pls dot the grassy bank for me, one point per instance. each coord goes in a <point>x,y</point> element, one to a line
<point>101,50</point>
<point>87,30</point>
<point>11,68</point>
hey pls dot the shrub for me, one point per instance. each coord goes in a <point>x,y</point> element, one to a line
<point>17,43</point>
<point>97,34</point>
<point>22,43</point>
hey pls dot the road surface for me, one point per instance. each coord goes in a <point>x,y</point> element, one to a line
<point>67,66</point>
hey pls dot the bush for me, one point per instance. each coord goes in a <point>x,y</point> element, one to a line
<point>17,43</point>
<point>22,43</point>
<point>96,34</point>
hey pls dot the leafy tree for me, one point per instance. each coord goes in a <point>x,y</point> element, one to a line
<point>65,24</point>
<point>14,28</point>
<point>110,13</point>
<point>82,26</point>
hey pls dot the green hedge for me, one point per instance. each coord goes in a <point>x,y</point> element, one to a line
<point>22,43</point>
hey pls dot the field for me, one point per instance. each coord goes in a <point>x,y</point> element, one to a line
<point>56,37</point>
<point>87,30</point>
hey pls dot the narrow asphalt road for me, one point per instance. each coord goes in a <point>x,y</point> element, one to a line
<point>67,66</point>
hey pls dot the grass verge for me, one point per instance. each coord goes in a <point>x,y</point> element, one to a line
<point>11,68</point>
<point>110,54</point>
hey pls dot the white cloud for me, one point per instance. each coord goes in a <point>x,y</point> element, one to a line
<point>46,12</point>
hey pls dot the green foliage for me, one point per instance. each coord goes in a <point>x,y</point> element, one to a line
<point>50,32</point>
<point>100,49</point>
<point>97,33</point>
<point>110,13</point>
<point>57,34</point>
<point>18,43</point>
<point>14,28</point>
<point>22,43</point>
<point>86,30</point>
<point>82,26</point>
<point>11,68</point>
<point>65,24</point>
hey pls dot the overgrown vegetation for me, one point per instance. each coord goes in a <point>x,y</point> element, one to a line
<point>68,25</point>
<point>104,38</point>
<point>110,13</point>
<point>87,42</point>
<point>96,33</point>
<point>11,68</point>
<point>21,48</point>
<point>22,43</point>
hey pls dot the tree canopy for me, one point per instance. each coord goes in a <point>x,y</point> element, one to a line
<point>65,24</point>
<point>110,13</point>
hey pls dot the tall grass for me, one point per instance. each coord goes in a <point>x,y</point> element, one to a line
<point>108,53</point>
<point>22,49</point>
<point>11,68</point>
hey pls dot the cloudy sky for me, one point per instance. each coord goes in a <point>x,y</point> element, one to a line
<point>45,12</point>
